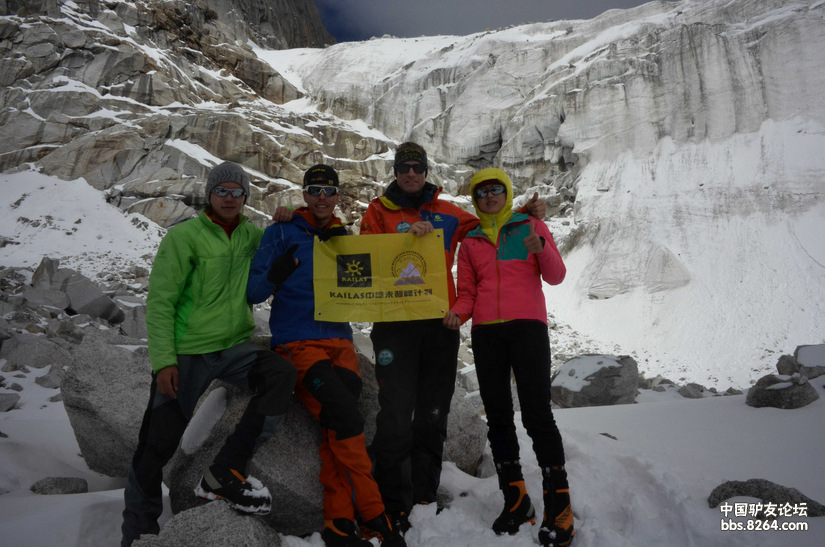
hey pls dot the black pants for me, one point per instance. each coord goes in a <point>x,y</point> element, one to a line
<point>415,368</point>
<point>268,375</point>
<point>522,347</point>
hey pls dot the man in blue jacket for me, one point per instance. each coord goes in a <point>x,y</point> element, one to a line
<point>329,380</point>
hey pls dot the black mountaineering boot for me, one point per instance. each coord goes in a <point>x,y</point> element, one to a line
<point>342,533</point>
<point>557,527</point>
<point>245,494</point>
<point>382,528</point>
<point>400,521</point>
<point>518,508</point>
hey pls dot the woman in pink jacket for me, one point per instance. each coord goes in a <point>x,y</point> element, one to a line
<point>501,265</point>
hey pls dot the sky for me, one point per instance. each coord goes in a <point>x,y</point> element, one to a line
<point>356,20</point>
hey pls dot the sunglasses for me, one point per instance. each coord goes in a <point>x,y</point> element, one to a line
<point>316,191</point>
<point>494,189</point>
<point>223,191</point>
<point>404,168</point>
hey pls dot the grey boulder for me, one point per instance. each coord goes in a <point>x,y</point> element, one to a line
<point>786,392</point>
<point>595,380</point>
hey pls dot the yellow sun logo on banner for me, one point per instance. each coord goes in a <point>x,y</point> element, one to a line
<point>355,268</point>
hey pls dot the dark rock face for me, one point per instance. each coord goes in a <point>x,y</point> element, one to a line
<point>278,24</point>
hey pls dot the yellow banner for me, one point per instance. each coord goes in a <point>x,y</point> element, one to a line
<point>380,277</point>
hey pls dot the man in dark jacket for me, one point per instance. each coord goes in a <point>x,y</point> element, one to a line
<point>415,360</point>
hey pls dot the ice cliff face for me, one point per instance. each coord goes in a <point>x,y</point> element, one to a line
<point>677,144</point>
<point>524,97</point>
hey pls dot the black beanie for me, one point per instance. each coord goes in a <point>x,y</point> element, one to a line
<point>321,171</point>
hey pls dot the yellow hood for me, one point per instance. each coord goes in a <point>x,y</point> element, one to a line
<point>491,224</point>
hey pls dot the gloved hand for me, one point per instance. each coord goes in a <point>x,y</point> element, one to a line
<point>332,232</point>
<point>282,267</point>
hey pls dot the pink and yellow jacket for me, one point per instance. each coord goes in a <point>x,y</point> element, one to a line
<point>502,281</point>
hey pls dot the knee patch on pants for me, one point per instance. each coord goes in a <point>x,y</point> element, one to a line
<point>337,390</point>
<point>272,380</point>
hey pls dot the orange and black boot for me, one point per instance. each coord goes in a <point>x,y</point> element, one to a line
<point>557,527</point>
<point>518,508</point>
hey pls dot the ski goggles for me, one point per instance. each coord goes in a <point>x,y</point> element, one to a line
<point>494,189</point>
<point>223,191</point>
<point>316,191</point>
<point>404,168</point>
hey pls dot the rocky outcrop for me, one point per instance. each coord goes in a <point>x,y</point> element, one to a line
<point>106,390</point>
<point>288,464</point>
<point>808,360</point>
<point>30,350</point>
<point>790,388</point>
<point>276,24</point>
<point>595,380</point>
<point>60,485</point>
<point>8,401</point>
<point>209,525</point>
<point>105,393</point>
<point>111,95</point>
<point>66,289</point>
<point>787,392</point>
<point>692,391</point>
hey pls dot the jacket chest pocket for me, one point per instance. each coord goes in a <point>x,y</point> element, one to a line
<point>511,243</point>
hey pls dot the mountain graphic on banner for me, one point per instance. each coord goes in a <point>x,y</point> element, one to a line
<point>410,276</point>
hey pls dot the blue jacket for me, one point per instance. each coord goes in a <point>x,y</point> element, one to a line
<point>293,306</point>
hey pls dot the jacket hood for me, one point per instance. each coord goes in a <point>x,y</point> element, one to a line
<point>490,224</point>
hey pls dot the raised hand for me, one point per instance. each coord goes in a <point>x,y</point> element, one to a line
<point>533,242</point>
<point>282,267</point>
<point>536,207</point>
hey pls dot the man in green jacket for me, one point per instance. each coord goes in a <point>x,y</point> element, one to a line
<point>199,325</point>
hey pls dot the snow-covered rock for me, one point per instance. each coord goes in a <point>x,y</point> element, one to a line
<point>595,380</point>
<point>778,391</point>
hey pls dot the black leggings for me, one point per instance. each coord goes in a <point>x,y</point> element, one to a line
<point>522,347</point>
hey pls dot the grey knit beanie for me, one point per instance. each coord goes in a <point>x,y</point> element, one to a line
<point>227,172</point>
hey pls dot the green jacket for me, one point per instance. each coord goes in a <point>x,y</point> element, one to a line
<point>197,290</point>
